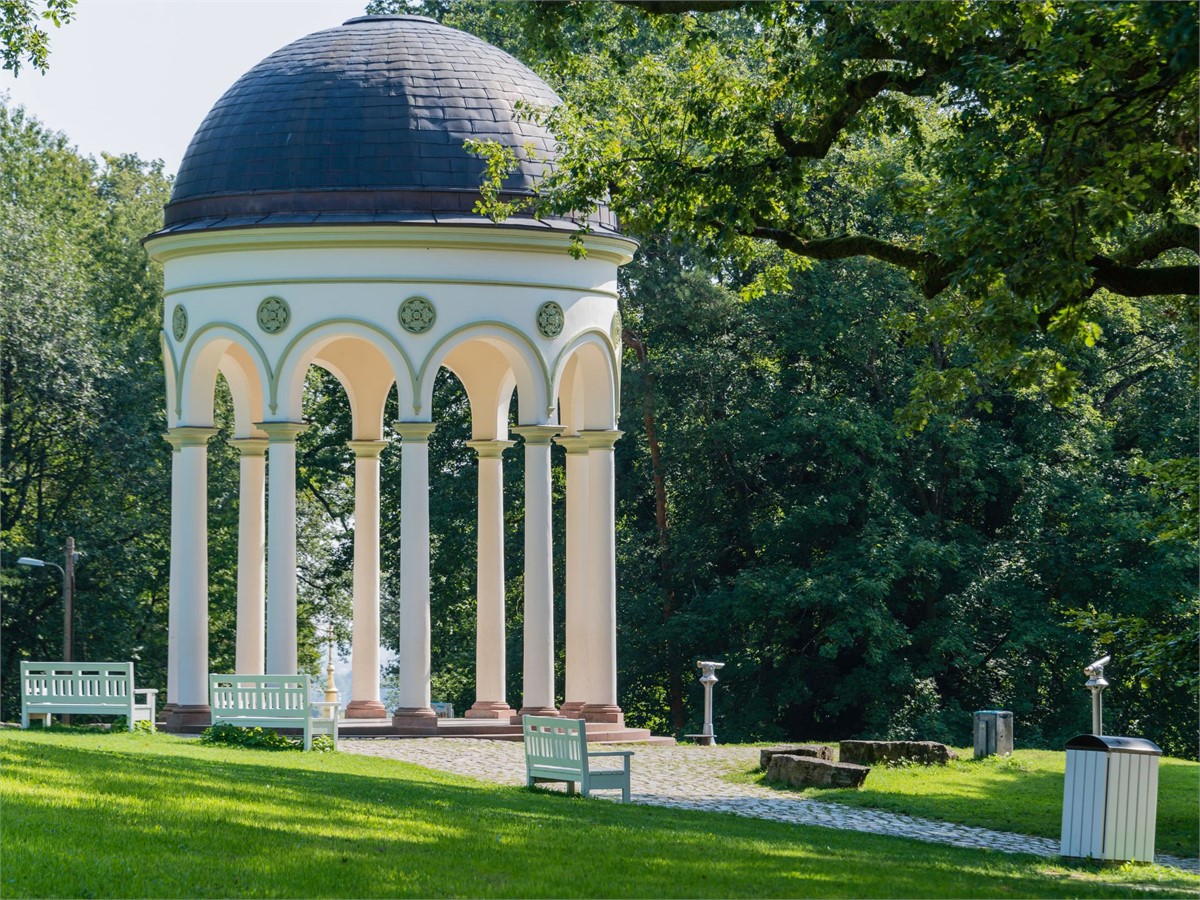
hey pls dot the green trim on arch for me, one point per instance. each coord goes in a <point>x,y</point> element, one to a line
<point>574,344</point>
<point>169,357</point>
<point>370,326</point>
<point>251,343</point>
<point>503,326</point>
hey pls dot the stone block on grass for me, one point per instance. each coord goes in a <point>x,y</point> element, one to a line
<point>816,751</point>
<point>925,753</point>
<point>807,771</point>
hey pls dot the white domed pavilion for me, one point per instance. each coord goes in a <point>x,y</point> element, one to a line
<point>324,215</point>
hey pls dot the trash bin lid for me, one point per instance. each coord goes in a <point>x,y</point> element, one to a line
<point>992,712</point>
<point>1113,744</point>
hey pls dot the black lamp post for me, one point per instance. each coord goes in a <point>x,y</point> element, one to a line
<point>68,577</point>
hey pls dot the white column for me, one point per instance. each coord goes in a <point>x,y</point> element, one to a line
<point>281,546</point>
<point>538,671</point>
<point>413,712</point>
<point>602,567</point>
<point>364,656</point>
<point>576,691</point>
<point>189,557</point>
<point>252,562</point>
<point>490,644</point>
<point>173,587</point>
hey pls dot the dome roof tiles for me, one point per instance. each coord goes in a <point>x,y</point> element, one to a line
<point>364,123</point>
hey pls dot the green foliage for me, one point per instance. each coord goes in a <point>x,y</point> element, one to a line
<point>81,452</point>
<point>343,825</point>
<point>872,582</point>
<point>1036,156</point>
<point>22,37</point>
<point>260,739</point>
<point>121,723</point>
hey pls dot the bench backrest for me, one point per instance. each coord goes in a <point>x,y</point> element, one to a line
<point>550,741</point>
<point>260,696</point>
<point>101,684</point>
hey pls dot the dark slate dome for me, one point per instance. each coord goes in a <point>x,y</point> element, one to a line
<point>361,124</point>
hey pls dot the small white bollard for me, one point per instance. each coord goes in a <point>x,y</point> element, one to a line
<point>708,678</point>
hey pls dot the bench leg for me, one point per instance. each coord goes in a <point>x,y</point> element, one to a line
<point>24,719</point>
<point>570,789</point>
<point>625,792</point>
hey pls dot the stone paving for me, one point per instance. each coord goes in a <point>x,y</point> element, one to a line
<point>689,777</point>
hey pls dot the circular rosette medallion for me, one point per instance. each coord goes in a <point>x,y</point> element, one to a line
<point>417,315</point>
<point>179,322</point>
<point>274,315</point>
<point>550,319</point>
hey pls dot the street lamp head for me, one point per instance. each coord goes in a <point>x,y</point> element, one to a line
<point>28,561</point>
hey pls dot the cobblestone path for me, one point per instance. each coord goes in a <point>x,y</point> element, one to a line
<point>689,777</point>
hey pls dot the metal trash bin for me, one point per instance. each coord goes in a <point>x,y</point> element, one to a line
<point>993,733</point>
<point>1110,798</point>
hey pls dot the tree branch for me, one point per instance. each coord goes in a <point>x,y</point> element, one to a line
<point>927,267</point>
<point>1174,236</point>
<point>857,94</point>
<point>1130,281</point>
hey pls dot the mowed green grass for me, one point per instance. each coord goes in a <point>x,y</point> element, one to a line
<point>119,815</point>
<point>1021,793</point>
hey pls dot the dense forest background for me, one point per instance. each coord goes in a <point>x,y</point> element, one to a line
<point>869,557</point>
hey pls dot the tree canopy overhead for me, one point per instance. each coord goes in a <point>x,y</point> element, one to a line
<point>22,37</point>
<point>1015,158</point>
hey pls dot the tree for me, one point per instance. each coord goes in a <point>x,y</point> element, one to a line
<point>22,39</point>
<point>1040,154</point>
<point>81,451</point>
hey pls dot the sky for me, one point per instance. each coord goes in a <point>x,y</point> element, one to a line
<point>138,76</point>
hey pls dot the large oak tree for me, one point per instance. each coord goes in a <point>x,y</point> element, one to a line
<point>1016,159</point>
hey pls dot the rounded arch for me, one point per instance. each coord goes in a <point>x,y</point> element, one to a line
<point>527,367</point>
<point>585,382</point>
<point>233,352</point>
<point>364,358</point>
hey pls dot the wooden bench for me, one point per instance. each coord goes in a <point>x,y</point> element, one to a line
<point>556,750</point>
<point>271,701</point>
<point>96,689</point>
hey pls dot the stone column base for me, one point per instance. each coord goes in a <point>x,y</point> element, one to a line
<point>415,720</point>
<point>609,715</point>
<point>489,709</point>
<point>365,709</point>
<point>165,710</point>
<point>533,711</point>
<point>572,710</point>
<point>183,716</point>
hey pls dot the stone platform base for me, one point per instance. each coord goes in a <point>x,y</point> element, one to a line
<point>478,729</point>
<point>365,709</point>
<point>182,717</point>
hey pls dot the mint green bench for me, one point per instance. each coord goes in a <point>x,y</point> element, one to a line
<point>95,689</point>
<point>556,750</point>
<point>271,701</point>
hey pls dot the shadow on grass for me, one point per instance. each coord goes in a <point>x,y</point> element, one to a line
<point>96,819</point>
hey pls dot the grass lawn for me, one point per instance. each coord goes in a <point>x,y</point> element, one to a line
<point>120,815</point>
<point>1021,793</point>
